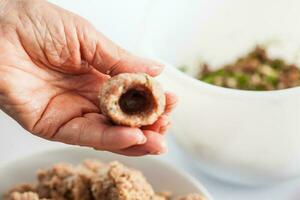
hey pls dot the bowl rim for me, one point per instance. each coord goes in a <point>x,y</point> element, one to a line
<point>166,164</point>
<point>229,91</point>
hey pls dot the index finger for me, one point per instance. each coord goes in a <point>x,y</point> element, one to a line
<point>108,57</point>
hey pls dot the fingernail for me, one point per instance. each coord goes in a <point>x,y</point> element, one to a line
<point>169,125</point>
<point>166,122</point>
<point>165,127</point>
<point>157,68</point>
<point>141,139</point>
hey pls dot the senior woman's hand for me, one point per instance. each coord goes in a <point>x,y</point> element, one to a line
<point>52,64</point>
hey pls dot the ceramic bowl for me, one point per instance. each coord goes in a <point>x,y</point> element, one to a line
<point>161,175</point>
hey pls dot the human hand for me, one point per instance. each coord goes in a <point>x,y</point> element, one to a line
<point>52,64</point>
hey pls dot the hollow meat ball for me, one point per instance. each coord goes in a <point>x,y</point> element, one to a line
<point>132,99</point>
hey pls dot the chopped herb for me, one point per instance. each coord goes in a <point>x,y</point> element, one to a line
<point>183,68</point>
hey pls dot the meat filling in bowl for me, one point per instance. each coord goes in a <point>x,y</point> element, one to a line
<point>254,71</point>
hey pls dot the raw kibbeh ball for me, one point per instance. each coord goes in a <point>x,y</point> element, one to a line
<point>132,99</point>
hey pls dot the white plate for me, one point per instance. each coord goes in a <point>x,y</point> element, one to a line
<point>161,175</point>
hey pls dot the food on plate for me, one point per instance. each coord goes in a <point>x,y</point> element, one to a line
<point>91,180</point>
<point>254,71</point>
<point>132,99</point>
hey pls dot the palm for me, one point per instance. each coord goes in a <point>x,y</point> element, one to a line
<point>45,99</point>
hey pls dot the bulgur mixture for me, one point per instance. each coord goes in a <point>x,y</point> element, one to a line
<point>91,180</point>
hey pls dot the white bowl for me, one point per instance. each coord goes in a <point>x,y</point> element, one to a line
<point>245,137</point>
<point>241,136</point>
<point>161,175</point>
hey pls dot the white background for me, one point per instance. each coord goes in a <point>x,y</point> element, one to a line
<point>123,21</point>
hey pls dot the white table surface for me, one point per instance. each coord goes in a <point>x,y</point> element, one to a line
<point>123,22</point>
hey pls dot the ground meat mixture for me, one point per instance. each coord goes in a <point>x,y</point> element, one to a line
<point>91,180</point>
<point>24,196</point>
<point>254,71</point>
<point>191,197</point>
<point>132,99</point>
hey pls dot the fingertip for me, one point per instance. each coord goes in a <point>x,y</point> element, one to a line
<point>151,67</point>
<point>171,102</point>
<point>163,120</point>
<point>156,143</point>
<point>155,70</point>
<point>171,97</point>
<point>135,64</point>
<point>164,129</point>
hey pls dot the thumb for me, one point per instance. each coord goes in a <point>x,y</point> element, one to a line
<point>109,58</point>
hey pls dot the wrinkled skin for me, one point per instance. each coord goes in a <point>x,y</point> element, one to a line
<point>52,64</point>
